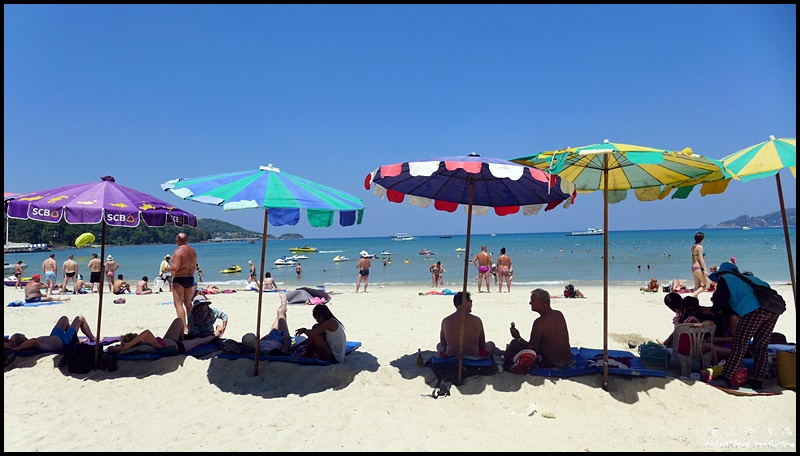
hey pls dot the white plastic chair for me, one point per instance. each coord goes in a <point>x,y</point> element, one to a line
<point>698,333</point>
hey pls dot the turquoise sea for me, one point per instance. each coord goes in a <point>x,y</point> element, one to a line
<point>549,260</point>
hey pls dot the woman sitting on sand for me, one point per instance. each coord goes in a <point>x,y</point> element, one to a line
<point>326,339</point>
<point>172,338</point>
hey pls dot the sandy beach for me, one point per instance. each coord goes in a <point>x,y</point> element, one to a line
<point>378,400</point>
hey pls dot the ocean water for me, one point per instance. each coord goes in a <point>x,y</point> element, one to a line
<point>547,260</point>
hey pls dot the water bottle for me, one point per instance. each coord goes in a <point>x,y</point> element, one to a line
<point>420,362</point>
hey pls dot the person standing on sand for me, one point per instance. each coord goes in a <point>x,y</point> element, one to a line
<point>50,271</point>
<point>184,264</point>
<point>164,274</point>
<point>483,261</point>
<point>363,270</point>
<point>18,275</point>
<point>94,266</point>
<point>70,269</point>
<point>252,276</point>
<point>698,264</point>
<point>504,270</point>
<point>111,267</point>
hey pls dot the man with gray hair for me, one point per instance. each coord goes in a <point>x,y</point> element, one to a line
<point>549,335</point>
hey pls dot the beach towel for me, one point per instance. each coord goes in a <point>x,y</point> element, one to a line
<point>19,303</point>
<point>624,363</point>
<point>142,352</point>
<point>350,348</point>
<point>580,366</point>
<point>82,339</point>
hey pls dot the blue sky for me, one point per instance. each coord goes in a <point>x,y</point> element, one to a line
<point>329,93</point>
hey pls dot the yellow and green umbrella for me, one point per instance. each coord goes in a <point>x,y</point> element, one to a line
<point>616,168</point>
<point>761,160</point>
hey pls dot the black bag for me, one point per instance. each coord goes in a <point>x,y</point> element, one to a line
<point>232,346</point>
<point>768,298</point>
<point>79,359</point>
<point>447,375</point>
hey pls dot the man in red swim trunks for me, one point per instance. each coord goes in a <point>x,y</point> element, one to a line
<point>475,344</point>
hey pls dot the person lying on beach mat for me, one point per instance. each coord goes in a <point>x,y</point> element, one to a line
<point>172,338</point>
<point>62,336</point>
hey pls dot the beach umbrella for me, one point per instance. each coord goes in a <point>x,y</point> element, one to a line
<point>105,202</point>
<point>280,194</point>
<point>764,159</point>
<point>8,196</point>
<point>478,183</point>
<point>616,168</point>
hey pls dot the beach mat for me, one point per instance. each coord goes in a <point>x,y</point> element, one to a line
<point>350,348</point>
<point>33,304</point>
<point>636,369</point>
<point>82,339</point>
<point>146,352</point>
<point>580,367</point>
<point>745,391</point>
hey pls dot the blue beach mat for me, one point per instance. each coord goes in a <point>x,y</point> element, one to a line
<point>81,339</point>
<point>142,352</point>
<point>19,303</point>
<point>350,348</point>
<point>580,367</point>
<point>483,362</point>
<point>636,369</point>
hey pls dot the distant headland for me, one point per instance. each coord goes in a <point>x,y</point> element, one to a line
<point>747,221</point>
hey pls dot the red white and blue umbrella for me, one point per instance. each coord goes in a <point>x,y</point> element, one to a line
<point>478,183</point>
<point>105,202</point>
<point>280,194</point>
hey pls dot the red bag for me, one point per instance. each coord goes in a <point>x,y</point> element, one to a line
<point>740,377</point>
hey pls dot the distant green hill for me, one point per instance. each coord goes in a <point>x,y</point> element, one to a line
<point>63,234</point>
<point>772,219</point>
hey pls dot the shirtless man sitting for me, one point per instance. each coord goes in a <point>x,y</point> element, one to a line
<point>549,335</point>
<point>475,344</point>
<point>121,286</point>
<point>33,291</point>
<point>60,337</point>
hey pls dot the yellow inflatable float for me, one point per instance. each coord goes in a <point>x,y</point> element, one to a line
<point>84,239</point>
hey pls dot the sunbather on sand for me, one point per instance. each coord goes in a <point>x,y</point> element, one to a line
<point>62,335</point>
<point>549,334</point>
<point>172,338</point>
<point>326,340</point>
<point>651,287</point>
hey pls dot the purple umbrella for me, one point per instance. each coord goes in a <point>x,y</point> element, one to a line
<point>103,202</point>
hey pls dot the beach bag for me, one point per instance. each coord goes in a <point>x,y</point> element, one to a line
<point>768,298</point>
<point>232,346</point>
<point>79,359</point>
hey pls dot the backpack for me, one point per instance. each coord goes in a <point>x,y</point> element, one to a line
<point>79,359</point>
<point>232,346</point>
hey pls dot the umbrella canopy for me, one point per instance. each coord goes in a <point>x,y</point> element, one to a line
<point>477,182</point>
<point>616,168</point>
<point>761,160</point>
<point>280,194</point>
<point>104,202</point>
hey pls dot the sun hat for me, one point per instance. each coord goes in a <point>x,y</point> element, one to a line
<point>36,277</point>
<point>167,256</point>
<point>200,299</point>
<point>109,258</point>
<point>364,253</point>
<point>250,261</point>
<point>723,267</point>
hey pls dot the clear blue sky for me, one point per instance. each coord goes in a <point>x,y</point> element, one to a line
<point>329,93</point>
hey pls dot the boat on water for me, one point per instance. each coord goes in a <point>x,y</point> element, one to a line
<point>304,249</point>
<point>233,269</point>
<point>427,252</point>
<point>386,252</point>
<point>445,237</point>
<point>299,257</point>
<point>589,232</point>
<point>403,237</point>
<point>9,267</point>
<point>460,249</point>
<point>285,261</point>
<point>10,281</point>
<point>339,258</point>
<point>745,228</point>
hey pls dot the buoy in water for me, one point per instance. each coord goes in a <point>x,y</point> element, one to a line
<point>84,239</point>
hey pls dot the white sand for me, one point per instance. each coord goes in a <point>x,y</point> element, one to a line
<point>378,400</point>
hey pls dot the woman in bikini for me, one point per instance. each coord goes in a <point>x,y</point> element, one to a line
<point>698,264</point>
<point>172,338</point>
<point>436,274</point>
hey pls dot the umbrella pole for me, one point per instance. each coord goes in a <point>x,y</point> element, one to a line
<point>464,289</point>
<point>786,235</point>
<point>605,273</point>
<point>97,347</point>
<point>260,283</point>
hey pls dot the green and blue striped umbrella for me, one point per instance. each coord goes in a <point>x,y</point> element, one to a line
<point>280,194</point>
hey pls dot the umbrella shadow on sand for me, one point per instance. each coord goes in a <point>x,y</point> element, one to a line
<point>625,389</point>
<point>129,368</point>
<point>283,379</point>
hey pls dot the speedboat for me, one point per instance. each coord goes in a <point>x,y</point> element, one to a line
<point>304,249</point>
<point>299,257</point>
<point>403,237</point>
<point>589,232</point>
<point>285,261</point>
<point>386,252</point>
<point>231,270</point>
<point>9,267</point>
<point>426,252</point>
<point>339,258</point>
<point>745,228</point>
<point>460,249</point>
